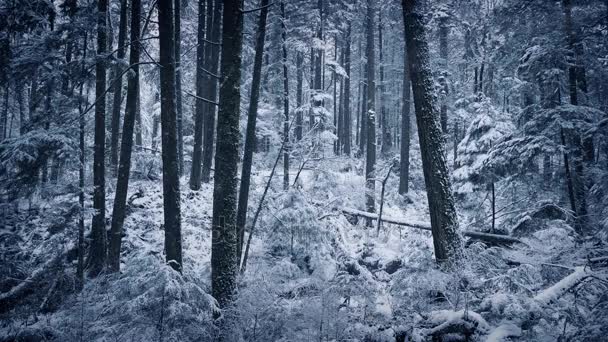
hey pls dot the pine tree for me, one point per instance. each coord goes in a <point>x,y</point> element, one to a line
<point>199,114</point>
<point>98,249</point>
<point>370,159</point>
<point>168,113</point>
<point>444,222</point>
<point>124,168</point>
<point>252,113</point>
<point>224,266</point>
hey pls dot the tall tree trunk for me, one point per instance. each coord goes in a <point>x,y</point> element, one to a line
<point>168,114</point>
<point>126,147</point>
<point>241,216</point>
<point>178,86</point>
<point>286,150</point>
<point>386,136</point>
<point>346,83</point>
<point>318,75</point>
<point>197,153</point>
<point>370,159</point>
<point>404,171</point>
<point>98,247</point>
<point>300,81</point>
<point>117,76</point>
<point>444,221</point>
<point>443,52</point>
<point>224,265</point>
<point>81,171</point>
<point>334,79</point>
<point>212,66</point>
<point>138,129</point>
<point>579,143</point>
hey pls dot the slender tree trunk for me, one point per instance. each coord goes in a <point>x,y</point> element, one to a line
<point>116,75</point>
<point>224,264</point>
<point>212,65</point>
<point>335,99</point>
<point>138,129</point>
<point>286,150</point>
<point>178,86</point>
<point>168,113</point>
<point>386,136</point>
<point>122,182</point>
<point>580,144</point>
<point>404,171</point>
<point>252,113</point>
<point>199,114</point>
<point>81,173</point>
<point>346,83</point>
<point>370,160</point>
<point>299,80</point>
<point>98,247</point>
<point>318,73</point>
<point>444,221</point>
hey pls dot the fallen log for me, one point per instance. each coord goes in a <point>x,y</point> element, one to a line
<point>548,295</point>
<point>486,237</point>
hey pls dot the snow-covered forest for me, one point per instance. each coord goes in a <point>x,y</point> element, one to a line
<point>303,170</point>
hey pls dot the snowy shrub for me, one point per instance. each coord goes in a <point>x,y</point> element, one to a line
<point>147,301</point>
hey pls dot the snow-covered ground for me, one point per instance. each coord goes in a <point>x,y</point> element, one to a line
<point>314,273</point>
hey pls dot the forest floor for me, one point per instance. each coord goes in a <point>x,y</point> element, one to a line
<point>314,273</point>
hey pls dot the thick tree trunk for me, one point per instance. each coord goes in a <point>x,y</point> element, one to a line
<point>444,221</point>
<point>178,86</point>
<point>404,170</point>
<point>212,53</point>
<point>98,248</point>
<point>171,192</point>
<point>224,264</point>
<point>443,52</point>
<point>252,113</point>
<point>126,147</point>
<point>286,150</point>
<point>117,76</point>
<point>370,159</point>
<point>199,114</point>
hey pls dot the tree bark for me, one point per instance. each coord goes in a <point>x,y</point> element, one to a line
<point>117,76</point>
<point>199,114</point>
<point>444,222</point>
<point>98,247</point>
<point>224,265</point>
<point>443,52</point>
<point>178,86</point>
<point>370,159</point>
<point>241,217</point>
<point>168,114</point>
<point>126,147</point>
